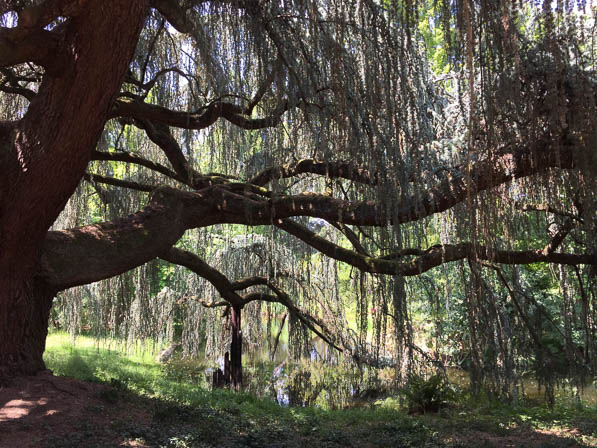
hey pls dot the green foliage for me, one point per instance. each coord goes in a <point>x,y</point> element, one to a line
<point>427,395</point>
<point>434,38</point>
<point>185,370</point>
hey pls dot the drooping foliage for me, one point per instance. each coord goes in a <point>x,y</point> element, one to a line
<point>469,123</point>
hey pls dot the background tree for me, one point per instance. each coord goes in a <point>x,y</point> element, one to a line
<point>249,113</point>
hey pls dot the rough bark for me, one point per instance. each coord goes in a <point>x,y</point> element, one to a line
<point>24,327</point>
<point>44,155</point>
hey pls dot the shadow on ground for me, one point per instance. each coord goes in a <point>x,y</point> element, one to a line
<point>46,411</point>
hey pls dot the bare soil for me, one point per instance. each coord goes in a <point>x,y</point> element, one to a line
<point>46,411</point>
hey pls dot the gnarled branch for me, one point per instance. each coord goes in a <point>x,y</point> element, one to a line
<point>432,257</point>
<point>342,170</point>
<point>200,119</point>
<point>127,157</point>
<point>39,46</point>
<point>227,290</point>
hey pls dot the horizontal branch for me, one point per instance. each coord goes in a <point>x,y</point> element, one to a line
<point>147,86</point>
<point>197,182</point>
<point>200,119</point>
<point>91,253</point>
<point>96,178</point>
<point>547,209</point>
<point>17,90</point>
<point>482,176</point>
<point>132,158</point>
<point>248,282</point>
<point>329,169</point>
<point>221,204</point>
<point>435,255</point>
<point>207,304</point>
<point>39,46</point>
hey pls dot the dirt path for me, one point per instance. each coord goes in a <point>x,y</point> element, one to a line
<point>51,410</point>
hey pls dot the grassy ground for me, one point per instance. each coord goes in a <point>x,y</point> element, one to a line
<point>172,408</point>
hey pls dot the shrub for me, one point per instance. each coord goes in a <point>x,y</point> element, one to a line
<point>427,395</point>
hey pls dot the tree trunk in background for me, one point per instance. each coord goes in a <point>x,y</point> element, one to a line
<point>236,348</point>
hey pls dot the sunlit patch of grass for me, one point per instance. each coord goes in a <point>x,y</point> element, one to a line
<point>137,371</point>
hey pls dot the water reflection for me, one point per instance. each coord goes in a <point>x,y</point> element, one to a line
<point>327,381</point>
<point>312,382</point>
<point>343,385</point>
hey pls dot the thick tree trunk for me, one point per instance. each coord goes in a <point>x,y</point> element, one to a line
<point>236,348</point>
<point>24,312</point>
<point>43,157</point>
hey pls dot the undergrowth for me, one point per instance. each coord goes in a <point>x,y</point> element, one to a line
<point>189,414</point>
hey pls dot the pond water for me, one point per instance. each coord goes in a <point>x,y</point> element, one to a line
<point>531,390</point>
<point>324,380</point>
<point>334,384</point>
<point>315,383</point>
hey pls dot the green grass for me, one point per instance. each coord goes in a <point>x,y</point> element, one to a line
<point>180,381</point>
<point>180,389</point>
<point>188,414</point>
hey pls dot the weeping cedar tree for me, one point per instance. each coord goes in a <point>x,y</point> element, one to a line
<point>338,98</point>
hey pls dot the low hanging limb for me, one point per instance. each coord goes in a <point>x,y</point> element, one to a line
<point>435,255</point>
<point>311,322</point>
<point>228,291</point>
